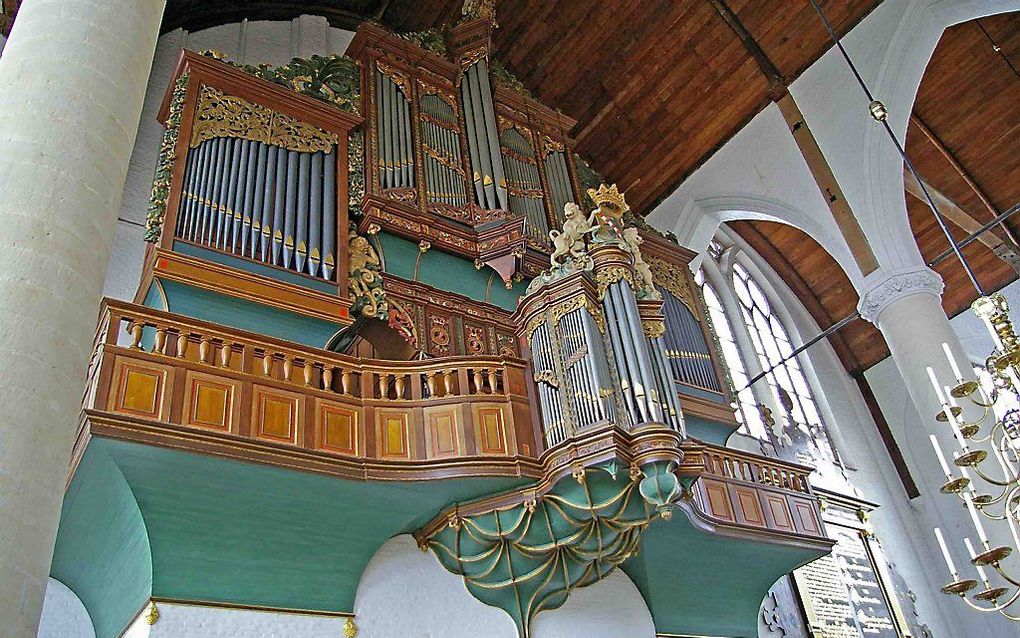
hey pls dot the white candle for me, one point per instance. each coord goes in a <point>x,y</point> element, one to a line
<point>1010,515</point>
<point>970,550</point>
<point>951,398</point>
<point>1006,469</point>
<point>938,453</point>
<point>945,553</point>
<point>935,384</point>
<point>956,429</point>
<point>976,518</point>
<point>952,362</point>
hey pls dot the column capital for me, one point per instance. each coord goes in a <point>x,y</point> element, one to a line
<point>882,288</point>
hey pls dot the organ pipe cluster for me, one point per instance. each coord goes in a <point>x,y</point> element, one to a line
<point>263,202</point>
<point>686,349</point>
<point>524,186</point>
<point>440,142</point>
<point>597,351</point>
<point>558,177</point>
<point>482,137</point>
<point>393,127</point>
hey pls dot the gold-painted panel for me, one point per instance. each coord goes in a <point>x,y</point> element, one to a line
<point>393,434</point>
<point>277,414</point>
<point>141,391</point>
<point>338,429</point>
<point>491,430</point>
<point>211,406</point>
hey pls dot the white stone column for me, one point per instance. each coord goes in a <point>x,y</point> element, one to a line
<point>72,77</point>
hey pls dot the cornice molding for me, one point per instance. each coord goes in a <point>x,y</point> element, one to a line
<point>883,288</point>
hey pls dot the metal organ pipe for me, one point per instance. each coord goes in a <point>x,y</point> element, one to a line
<point>329,227</point>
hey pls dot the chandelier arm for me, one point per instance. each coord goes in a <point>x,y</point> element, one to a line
<point>1002,572</point>
<point>998,608</point>
<point>990,480</point>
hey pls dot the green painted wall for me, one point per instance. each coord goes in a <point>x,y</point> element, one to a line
<point>708,431</point>
<point>247,315</point>
<point>447,272</point>
<point>102,551</point>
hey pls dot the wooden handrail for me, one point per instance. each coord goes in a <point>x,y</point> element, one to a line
<point>750,468</point>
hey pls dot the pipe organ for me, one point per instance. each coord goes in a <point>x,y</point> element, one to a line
<point>686,348</point>
<point>393,127</point>
<point>487,172</point>
<point>595,330</point>
<point>523,185</point>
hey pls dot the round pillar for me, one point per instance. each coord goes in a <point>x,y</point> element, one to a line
<point>72,77</point>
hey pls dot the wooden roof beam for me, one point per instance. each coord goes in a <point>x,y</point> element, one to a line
<point>778,83</point>
<point>1004,249</point>
<point>960,170</point>
<point>8,9</point>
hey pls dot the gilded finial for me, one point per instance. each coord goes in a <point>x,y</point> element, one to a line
<point>153,614</point>
<point>609,197</point>
<point>350,629</point>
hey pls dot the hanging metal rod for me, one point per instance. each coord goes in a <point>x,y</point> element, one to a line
<point>880,116</point>
<point>839,325</point>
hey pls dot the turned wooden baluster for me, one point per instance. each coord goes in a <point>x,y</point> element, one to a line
<point>309,369</point>
<point>267,363</point>
<point>203,349</point>
<point>384,383</point>
<point>135,328</point>
<point>432,382</point>
<point>288,367</point>
<point>399,383</point>
<point>492,381</point>
<point>476,374</point>
<point>182,345</point>
<point>327,377</point>
<point>448,383</point>
<point>160,344</point>
<point>225,353</point>
<point>345,381</point>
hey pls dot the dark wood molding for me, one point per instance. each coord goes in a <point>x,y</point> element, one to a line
<point>778,83</point>
<point>909,485</point>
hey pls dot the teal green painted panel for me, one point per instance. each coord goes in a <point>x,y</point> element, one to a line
<point>247,315</point>
<point>102,549</point>
<point>154,299</point>
<point>446,272</point>
<point>714,397</point>
<point>286,276</point>
<point>699,583</point>
<point>708,431</point>
<point>223,530</point>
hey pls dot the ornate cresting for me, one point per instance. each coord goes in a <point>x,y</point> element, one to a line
<point>593,323</point>
<point>165,163</point>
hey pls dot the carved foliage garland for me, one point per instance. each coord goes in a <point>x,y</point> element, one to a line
<point>334,79</point>
<point>165,163</point>
<point>355,173</point>
<point>222,115</point>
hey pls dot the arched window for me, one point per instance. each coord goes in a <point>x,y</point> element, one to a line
<point>772,344</point>
<point>747,409</point>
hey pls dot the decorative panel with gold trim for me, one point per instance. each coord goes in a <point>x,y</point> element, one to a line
<point>393,434</point>
<point>276,415</point>
<point>338,428</point>
<point>210,402</point>
<point>443,433</point>
<point>490,429</point>
<point>141,389</point>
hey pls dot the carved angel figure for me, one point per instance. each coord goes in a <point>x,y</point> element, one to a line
<point>365,282</point>
<point>643,270</point>
<point>570,242</point>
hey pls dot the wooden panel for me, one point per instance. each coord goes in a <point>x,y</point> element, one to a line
<point>277,414</point>
<point>393,435</point>
<point>779,512</point>
<point>749,506</point>
<point>338,429</point>
<point>806,516</point>
<point>490,429</point>
<point>210,402</point>
<point>717,499</point>
<point>443,434</point>
<point>141,389</point>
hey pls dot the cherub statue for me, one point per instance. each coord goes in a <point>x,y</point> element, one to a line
<point>570,242</point>
<point>644,272</point>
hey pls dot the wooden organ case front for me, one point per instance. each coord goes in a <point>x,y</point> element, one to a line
<point>456,158</point>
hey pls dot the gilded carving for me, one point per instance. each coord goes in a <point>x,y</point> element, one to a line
<point>675,280</point>
<point>654,328</point>
<point>580,301</point>
<point>366,286</point>
<point>222,115</point>
<point>399,78</point>
<point>355,173</point>
<point>608,276</point>
<point>569,243</point>
<point>646,289</point>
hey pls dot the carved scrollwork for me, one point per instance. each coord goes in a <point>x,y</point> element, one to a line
<point>365,279</point>
<point>222,115</point>
<point>606,277</point>
<point>675,280</point>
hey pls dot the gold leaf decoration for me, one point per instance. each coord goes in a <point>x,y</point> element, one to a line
<point>675,280</point>
<point>222,115</point>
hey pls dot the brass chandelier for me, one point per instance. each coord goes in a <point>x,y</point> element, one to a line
<point>988,447</point>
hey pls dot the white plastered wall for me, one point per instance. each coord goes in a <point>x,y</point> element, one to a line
<point>406,592</point>
<point>249,42</point>
<point>63,614</point>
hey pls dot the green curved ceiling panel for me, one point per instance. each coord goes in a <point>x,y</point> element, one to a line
<point>102,551</point>
<point>529,557</point>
